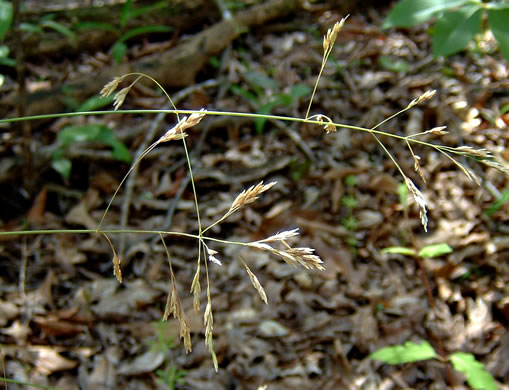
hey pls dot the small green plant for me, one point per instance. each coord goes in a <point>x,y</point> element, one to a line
<point>476,375</point>
<point>71,135</point>
<point>170,375</point>
<point>429,251</point>
<point>457,21</point>
<point>265,103</point>
<point>127,14</point>
<point>498,204</point>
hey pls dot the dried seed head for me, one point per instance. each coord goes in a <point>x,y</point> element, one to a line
<point>119,98</point>
<point>208,319</point>
<point>256,284</point>
<point>250,195</point>
<point>196,289</point>
<point>212,256</point>
<point>332,33</point>
<point>470,151</point>
<point>293,256</point>
<point>497,165</point>
<point>178,131</point>
<point>116,268</point>
<point>281,236</point>
<point>425,96</point>
<point>438,130</point>
<point>419,199</point>
<point>328,123</point>
<point>110,87</point>
<point>417,167</point>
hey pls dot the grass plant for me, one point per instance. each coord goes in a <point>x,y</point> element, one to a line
<point>281,244</point>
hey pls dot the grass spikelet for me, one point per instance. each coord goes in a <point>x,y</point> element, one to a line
<point>211,253</point>
<point>281,236</point>
<point>250,195</point>
<point>111,86</point>
<point>119,98</point>
<point>425,96</point>
<point>196,289</point>
<point>417,166</point>
<point>208,320</point>
<point>178,131</point>
<point>419,199</point>
<point>330,38</point>
<point>255,282</point>
<point>293,256</point>
<point>116,260</point>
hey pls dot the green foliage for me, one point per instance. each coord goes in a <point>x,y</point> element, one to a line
<point>392,64</point>
<point>257,95</point>
<point>434,250</point>
<point>127,14</point>
<point>497,205</point>
<point>477,376</point>
<point>169,375</point>
<point>409,352</point>
<point>457,21</point>
<point>86,133</point>
<point>6,14</point>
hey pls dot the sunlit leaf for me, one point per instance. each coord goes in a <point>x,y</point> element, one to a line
<point>454,29</point>
<point>435,250</point>
<point>400,250</point>
<point>498,20</point>
<point>405,353</point>
<point>477,377</point>
<point>408,13</point>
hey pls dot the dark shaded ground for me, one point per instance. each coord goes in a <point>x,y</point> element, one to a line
<point>67,322</point>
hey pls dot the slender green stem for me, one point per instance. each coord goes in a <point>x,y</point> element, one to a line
<point>324,60</point>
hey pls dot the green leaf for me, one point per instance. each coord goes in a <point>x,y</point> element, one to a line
<point>408,13</point>
<point>126,13</point>
<point>95,102</point>
<point>147,9</point>
<point>120,151</point>
<point>144,30</point>
<point>498,203</point>
<point>498,22</point>
<point>400,250</point>
<point>455,29</point>
<point>239,91</point>
<point>435,250</point>
<point>259,80</point>
<point>30,27</point>
<point>299,90</point>
<point>62,165</point>
<point>60,28</point>
<point>477,376</point>
<point>405,353</point>
<point>118,51</point>
<point>504,109</point>
<point>95,26</point>
<point>6,13</point>
<point>392,64</point>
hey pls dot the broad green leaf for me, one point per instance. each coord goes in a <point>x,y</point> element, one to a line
<point>4,51</point>
<point>261,81</point>
<point>498,20</point>
<point>405,353</point>
<point>435,250</point>
<point>95,26</point>
<point>95,102</point>
<point>455,29</point>
<point>144,30</point>
<point>393,64</point>
<point>62,165</point>
<point>477,377</point>
<point>5,17</point>
<point>400,250</point>
<point>120,151</point>
<point>118,51</point>
<point>408,13</point>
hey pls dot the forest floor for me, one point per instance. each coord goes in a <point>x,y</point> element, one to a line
<point>66,322</point>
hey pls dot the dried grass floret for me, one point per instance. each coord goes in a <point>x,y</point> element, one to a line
<point>425,96</point>
<point>111,86</point>
<point>196,289</point>
<point>208,320</point>
<point>281,236</point>
<point>212,256</point>
<point>178,131</point>
<point>293,256</point>
<point>419,199</point>
<point>256,284</point>
<point>250,195</point>
<point>330,38</point>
